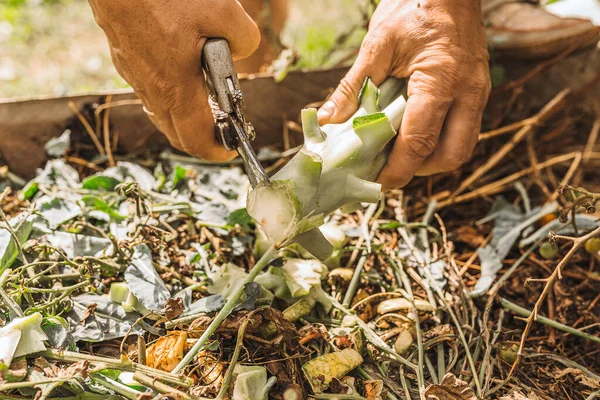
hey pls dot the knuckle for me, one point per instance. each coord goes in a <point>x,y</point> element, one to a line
<point>393,179</point>
<point>452,163</point>
<point>454,160</point>
<point>481,83</point>
<point>347,90</point>
<point>167,95</point>
<point>370,44</point>
<point>195,150</point>
<point>420,145</point>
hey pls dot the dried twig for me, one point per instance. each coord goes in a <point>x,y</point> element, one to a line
<point>160,387</point>
<point>592,139</point>
<point>106,132</point>
<point>507,129</point>
<point>551,108</point>
<point>501,184</point>
<point>556,274</point>
<point>87,127</point>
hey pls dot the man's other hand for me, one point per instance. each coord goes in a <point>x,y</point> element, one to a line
<point>440,46</point>
<point>157,46</point>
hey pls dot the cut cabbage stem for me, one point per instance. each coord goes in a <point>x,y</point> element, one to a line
<point>336,168</point>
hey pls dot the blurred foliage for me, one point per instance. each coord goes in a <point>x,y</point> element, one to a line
<point>54,47</point>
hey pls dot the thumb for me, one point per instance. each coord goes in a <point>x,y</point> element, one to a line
<point>343,103</point>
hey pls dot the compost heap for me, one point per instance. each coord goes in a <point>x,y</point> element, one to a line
<point>114,276</point>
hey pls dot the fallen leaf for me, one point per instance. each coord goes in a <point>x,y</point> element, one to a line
<point>51,370</point>
<point>510,222</point>
<point>580,376</point>
<point>167,351</point>
<point>451,388</point>
<point>76,245</point>
<point>321,370</point>
<point>58,146</point>
<point>144,282</point>
<point>89,311</point>
<point>173,308</point>
<point>374,390</point>
<point>109,320</point>
<point>16,373</point>
<point>437,331</point>
<point>80,367</point>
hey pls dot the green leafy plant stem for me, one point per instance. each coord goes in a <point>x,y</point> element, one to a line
<point>226,310</point>
<point>524,313</point>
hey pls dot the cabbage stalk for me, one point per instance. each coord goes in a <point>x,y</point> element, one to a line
<point>336,168</point>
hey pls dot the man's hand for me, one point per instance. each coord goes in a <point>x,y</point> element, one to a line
<point>156,45</point>
<point>440,46</point>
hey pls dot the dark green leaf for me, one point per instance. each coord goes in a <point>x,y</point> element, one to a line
<point>8,249</point>
<point>58,336</point>
<point>111,373</point>
<point>98,204</point>
<point>240,217</point>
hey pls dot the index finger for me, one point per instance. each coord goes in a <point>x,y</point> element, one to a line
<point>419,133</point>
<point>233,24</point>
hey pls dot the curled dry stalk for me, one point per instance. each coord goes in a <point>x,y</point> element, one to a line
<point>578,242</point>
<point>10,229</point>
<point>583,200</point>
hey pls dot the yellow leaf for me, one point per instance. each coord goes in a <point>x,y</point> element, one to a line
<point>167,351</point>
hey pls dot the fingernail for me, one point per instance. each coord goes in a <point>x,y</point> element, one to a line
<point>326,110</point>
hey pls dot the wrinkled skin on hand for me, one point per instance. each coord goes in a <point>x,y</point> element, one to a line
<point>440,46</point>
<point>157,45</point>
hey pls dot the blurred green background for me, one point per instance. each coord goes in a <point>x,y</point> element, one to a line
<point>54,47</point>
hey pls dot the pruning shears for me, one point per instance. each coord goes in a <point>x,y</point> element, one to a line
<point>226,99</point>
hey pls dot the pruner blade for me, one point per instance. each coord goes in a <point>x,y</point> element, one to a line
<point>231,128</point>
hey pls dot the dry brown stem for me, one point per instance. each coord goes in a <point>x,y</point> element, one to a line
<point>556,274</point>
<point>499,185</point>
<point>507,129</point>
<point>106,132</point>
<point>87,127</point>
<point>545,113</point>
<point>592,139</point>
